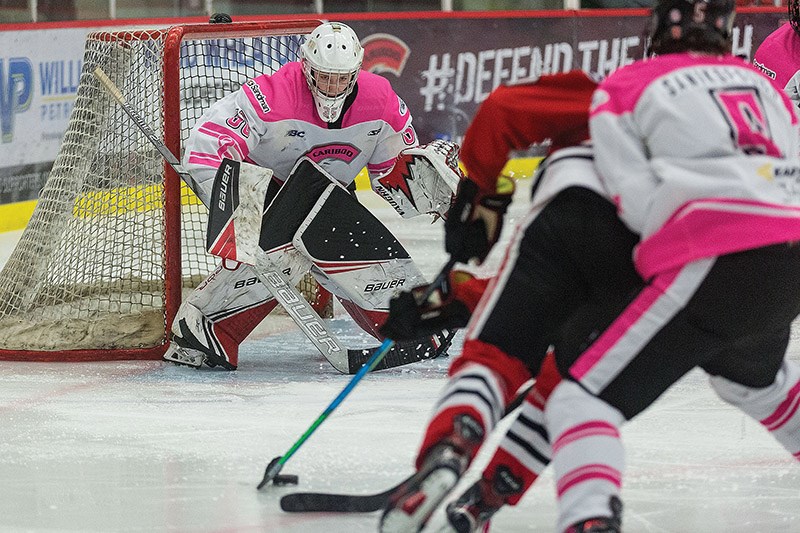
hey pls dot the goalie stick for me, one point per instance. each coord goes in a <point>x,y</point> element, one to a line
<point>346,361</point>
<point>321,502</point>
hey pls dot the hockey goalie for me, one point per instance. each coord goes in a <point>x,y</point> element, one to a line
<point>297,139</point>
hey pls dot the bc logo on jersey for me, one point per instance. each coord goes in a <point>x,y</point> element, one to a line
<point>342,151</point>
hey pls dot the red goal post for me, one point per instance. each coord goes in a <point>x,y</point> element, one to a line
<point>116,239</point>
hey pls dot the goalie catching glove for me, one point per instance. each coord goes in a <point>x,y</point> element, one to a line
<point>476,219</point>
<point>423,180</point>
<point>449,306</point>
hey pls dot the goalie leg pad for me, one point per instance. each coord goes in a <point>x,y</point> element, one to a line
<point>220,314</point>
<point>355,256</point>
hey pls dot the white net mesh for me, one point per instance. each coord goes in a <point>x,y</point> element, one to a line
<point>93,271</point>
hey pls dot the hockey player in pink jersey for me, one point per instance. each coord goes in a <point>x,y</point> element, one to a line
<point>715,284</point>
<point>321,116</point>
<point>779,55</point>
<point>699,152</point>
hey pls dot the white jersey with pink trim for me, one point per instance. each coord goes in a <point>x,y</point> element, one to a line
<point>779,58</point>
<point>700,153</point>
<point>272,122</point>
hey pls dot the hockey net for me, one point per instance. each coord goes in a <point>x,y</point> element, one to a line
<point>116,239</point>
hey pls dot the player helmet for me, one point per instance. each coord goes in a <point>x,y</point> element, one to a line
<point>691,25</point>
<point>331,58</point>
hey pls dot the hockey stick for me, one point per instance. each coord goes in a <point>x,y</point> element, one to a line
<point>274,467</point>
<point>154,139</point>
<point>346,361</point>
<point>321,502</point>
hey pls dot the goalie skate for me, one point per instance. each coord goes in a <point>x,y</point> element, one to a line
<point>184,356</point>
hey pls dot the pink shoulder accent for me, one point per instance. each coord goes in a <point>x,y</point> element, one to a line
<point>775,56</point>
<point>620,92</point>
<point>226,138</point>
<point>282,95</point>
<point>204,159</point>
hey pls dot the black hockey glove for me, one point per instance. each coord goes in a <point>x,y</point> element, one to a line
<point>412,316</point>
<point>474,222</point>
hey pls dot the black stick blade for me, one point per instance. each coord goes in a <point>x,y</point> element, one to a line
<point>273,469</point>
<point>319,502</point>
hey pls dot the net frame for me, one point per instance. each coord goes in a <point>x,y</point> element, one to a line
<point>173,198</point>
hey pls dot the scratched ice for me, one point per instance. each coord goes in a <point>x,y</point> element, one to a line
<point>144,446</point>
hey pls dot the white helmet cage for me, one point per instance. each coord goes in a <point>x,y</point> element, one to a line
<point>331,58</point>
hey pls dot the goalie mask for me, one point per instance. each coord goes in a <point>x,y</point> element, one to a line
<point>691,26</point>
<point>331,58</point>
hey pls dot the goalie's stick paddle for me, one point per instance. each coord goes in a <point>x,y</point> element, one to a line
<point>274,467</point>
<point>346,361</point>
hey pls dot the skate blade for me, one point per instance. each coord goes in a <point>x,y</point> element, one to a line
<point>182,359</point>
<point>414,511</point>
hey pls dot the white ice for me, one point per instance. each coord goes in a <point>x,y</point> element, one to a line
<point>146,446</point>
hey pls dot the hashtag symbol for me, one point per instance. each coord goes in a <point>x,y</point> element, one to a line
<point>438,80</point>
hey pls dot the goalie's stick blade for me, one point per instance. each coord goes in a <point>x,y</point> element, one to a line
<point>320,502</point>
<point>402,353</point>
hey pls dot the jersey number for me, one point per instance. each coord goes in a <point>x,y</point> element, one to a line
<point>239,122</point>
<point>745,115</point>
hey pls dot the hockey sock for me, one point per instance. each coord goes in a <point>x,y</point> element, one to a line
<point>525,451</point>
<point>588,456</point>
<point>475,391</point>
<point>776,407</point>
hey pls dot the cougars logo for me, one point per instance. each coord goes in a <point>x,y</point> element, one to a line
<point>384,53</point>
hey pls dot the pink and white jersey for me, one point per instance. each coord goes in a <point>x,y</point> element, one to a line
<point>272,122</point>
<point>779,58</point>
<point>700,154</point>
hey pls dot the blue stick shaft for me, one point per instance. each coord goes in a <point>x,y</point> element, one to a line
<point>369,365</point>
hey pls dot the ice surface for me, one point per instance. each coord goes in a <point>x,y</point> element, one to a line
<point>146,446</point>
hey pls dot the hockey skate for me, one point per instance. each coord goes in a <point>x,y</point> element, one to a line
<point>183,356</point>
<point>186,349</point>
<point>412,505</point>
<point>471,512</point>
<point>602,524</point>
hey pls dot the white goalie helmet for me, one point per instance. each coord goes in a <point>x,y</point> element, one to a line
<point>331,58</point>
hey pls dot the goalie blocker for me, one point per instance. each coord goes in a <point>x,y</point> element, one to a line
<point>312,223</point>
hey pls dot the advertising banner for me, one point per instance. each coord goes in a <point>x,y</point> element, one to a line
<point>39,73</point>
<point>443,67</point>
